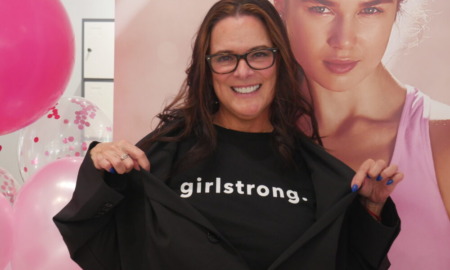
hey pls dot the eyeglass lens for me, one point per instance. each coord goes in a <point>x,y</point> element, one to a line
<point>259,59</point>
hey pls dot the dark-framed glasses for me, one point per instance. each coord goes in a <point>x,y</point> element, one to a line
<point>259,59</point>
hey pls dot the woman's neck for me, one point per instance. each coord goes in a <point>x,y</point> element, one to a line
<point>250,126</point>
<point>378,97</point>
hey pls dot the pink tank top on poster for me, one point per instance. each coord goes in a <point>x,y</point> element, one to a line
<point>424,239</point>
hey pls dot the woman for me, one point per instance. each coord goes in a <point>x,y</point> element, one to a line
<point>363,111</point>
<point>234,184</point>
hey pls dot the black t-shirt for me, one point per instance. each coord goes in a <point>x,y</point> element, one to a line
<point>256,202</point>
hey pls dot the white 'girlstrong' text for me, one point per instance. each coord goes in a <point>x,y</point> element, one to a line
<point>189,188</point>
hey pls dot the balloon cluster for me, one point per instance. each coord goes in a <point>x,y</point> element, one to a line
<point>36,60</point>
<point>51,151</point>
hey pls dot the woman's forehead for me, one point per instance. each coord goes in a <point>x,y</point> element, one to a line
<point>340,2</point>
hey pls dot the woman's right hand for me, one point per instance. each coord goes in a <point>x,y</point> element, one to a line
<point>121,156</point>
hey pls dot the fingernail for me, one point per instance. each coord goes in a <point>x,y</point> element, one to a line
<point>390,181</point>
<point>379,178</point>
<point>354,188</point>
<point>112,170</point>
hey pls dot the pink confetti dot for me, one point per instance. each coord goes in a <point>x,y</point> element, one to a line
<point>49,116</point>
<point>36,139</point>
<point>25,169</point>
<point>71,139</point>
<point>66,121</point>
<point>71,148</point>
<point>57,116</point>
<point>80,127</point>
<point>77,154</point>
<point>35,161</point>
<point>1,148</point>
<point>47,153</point>
<point>87,124</point>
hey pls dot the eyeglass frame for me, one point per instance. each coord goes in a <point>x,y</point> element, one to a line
<point>241,56</point>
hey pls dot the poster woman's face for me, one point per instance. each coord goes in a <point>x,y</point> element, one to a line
<point>339,43</point>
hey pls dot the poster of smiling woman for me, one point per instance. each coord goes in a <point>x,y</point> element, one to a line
<point>375,72</point>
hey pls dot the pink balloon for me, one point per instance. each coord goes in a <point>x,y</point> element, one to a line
<point>6,232</point>
<point>37,55</point>
<point>37,242</point>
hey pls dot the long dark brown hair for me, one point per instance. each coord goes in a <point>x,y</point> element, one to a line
<point>192,110</point>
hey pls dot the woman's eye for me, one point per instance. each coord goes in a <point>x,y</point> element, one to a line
<point>370,10</point>
<point>320,10</point>
<point>224,58</point>
<point>259,54</point>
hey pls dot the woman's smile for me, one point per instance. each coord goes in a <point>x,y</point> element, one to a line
<point>246,89</point>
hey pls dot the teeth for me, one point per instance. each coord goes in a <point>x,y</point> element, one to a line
<point>246,90</point>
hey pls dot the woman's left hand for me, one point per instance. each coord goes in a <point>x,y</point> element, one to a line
<point>375,181</point>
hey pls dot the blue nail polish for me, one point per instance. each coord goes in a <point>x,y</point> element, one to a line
<point>379,178</point>
<point>390,181</point>
<point>354,188</point>
<point>112,170</point>
<point>368,176</point>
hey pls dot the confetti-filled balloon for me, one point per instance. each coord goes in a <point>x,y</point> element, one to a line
<point>8,186</point>
<point>36,59</point>
<point>65,131</point>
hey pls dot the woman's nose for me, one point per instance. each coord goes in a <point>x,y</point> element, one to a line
<point>343,33</point>
<point>243,69</point>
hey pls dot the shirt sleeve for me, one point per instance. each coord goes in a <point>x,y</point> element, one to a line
<point>87,220</point>
<point>370,240</point>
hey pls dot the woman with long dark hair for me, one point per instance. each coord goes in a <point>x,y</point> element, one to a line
<point>235,183</point>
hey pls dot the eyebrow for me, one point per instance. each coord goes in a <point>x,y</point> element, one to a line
<point>364,4</point>
<point>323,2</point>
<point>375,2</point>
<point>250,50</point>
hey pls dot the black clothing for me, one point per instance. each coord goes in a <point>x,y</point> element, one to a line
<point>247,192</point>
<point>135,221</point>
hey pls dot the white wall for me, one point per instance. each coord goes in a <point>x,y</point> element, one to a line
<point>76,10</point>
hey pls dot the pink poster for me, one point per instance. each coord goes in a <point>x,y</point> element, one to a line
<point>154,39</point>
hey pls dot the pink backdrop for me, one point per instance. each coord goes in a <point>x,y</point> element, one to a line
<point>153,44</point>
